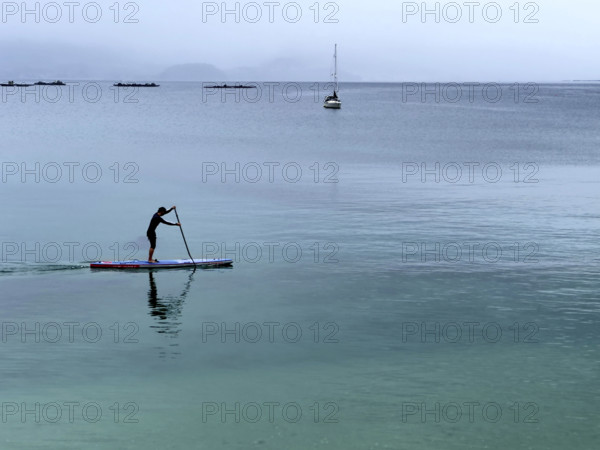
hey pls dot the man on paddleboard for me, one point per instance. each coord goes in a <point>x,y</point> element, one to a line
<point>151,233</point>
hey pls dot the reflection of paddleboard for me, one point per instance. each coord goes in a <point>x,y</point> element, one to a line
<point>163,264</point>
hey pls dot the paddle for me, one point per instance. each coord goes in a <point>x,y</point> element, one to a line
<point>183,235</point>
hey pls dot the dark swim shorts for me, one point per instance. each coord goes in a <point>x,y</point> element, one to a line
<point>152,239</point>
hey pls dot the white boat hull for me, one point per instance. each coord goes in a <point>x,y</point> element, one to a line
<point>332,104</point>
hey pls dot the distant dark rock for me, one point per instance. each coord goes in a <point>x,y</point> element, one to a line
<point>228,86</point>
<point>136,85</point>
<point>52,83</point>
<point>13,84</point>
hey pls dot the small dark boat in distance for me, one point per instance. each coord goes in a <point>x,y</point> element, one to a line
<point>136,85</point>
<point>333,101</point>
<point>225,86</point>
<point>53,83</point>
<point>12,83</point>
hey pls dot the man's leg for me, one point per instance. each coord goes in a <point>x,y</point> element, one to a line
<point>152,239</point>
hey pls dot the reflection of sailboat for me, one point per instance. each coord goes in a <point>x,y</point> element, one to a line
<point>332,101</point>
<point>167,310</point>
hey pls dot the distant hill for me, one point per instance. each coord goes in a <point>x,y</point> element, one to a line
<point>29,61</point>
<point>193,72</point>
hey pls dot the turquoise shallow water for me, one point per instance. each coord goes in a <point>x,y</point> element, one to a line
<point>365,309</point>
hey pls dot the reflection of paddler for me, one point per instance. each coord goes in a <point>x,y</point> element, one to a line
<point>167,309</point>
<point>156,308</point>
<point>151,233</point>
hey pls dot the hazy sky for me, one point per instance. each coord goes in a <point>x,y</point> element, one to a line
<point>376,41</point>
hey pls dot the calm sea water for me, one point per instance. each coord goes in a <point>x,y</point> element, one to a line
<point>408,273</point>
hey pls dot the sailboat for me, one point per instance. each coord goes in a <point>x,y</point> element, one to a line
<point>333,101</point>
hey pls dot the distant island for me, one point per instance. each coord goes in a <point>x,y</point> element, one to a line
<point>53,83</point>
<point>12,83</point>
<point>136,85</point>
<point>225,86</point>
<point>39,83</point>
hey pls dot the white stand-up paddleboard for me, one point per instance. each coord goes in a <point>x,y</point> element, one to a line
<point>162,264</point>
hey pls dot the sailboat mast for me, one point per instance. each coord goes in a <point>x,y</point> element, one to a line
<point>335,67</point>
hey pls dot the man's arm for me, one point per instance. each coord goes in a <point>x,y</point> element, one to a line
<point>169,223</point>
